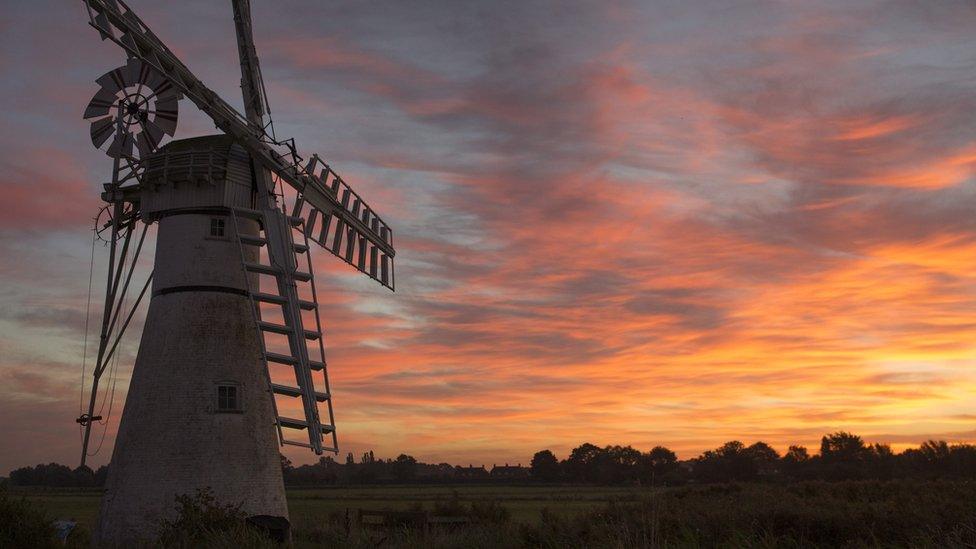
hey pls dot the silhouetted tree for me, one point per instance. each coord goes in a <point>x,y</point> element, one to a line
<point>101,475</point>
<point>51,474</point>
<point>764,459</point>
<point>545,466</point>
<point>841,447</point>
<point>582,463</point>
<point>797,454</point>
<point>880,462</point>
<point>54,474</point>
<point>658,466</point>
<point>935,455</point>
<point>404,467</point>
<point>733,461</point>
<point>323,472</point>
<point>962,461</point>
<point>616,464</point>
<point>934,459</point>
<point>843,456</point>
<point>796,462</point>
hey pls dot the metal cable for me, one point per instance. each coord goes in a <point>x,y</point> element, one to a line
<point>115,358</point>
<point>84,353</point>
<point>113,377</point>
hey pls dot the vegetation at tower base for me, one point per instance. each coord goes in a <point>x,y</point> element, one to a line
<point>202,521</point>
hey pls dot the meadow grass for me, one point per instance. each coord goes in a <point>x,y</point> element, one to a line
<point>80,505</point>
<point>808,514</point>
<point>524,502</point>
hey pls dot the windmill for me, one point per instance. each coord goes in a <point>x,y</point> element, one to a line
<point>232,339</point>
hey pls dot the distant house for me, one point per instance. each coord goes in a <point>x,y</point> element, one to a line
<point>471,473</point>
<point>510,472</point>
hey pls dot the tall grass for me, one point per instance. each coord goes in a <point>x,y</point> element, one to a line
<point>899,513</point>
<point>814,514</point>
<point>817,514</point>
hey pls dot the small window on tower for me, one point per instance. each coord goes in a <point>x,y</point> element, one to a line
<point>217,227</point>
<point>228,398</point>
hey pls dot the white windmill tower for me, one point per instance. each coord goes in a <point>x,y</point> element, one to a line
<point>223,356</point>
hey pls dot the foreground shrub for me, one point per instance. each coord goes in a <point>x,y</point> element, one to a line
<point>202,521</point>
<point>22,524</point>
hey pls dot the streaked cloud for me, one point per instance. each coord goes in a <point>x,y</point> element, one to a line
<point>623,223</point>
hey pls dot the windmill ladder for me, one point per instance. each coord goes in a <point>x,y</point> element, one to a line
<point>276,233</point>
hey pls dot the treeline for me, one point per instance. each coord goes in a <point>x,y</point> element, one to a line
<point>55,474</point>
<point>841,456</point>
<point>369,470</point>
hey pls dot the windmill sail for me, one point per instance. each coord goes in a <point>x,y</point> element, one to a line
<point>347,241</point>
<point>359,234</point>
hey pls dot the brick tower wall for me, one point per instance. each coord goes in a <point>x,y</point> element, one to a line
<point>199,334</point>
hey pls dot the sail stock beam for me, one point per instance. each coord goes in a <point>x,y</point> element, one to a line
<point>362,233</point>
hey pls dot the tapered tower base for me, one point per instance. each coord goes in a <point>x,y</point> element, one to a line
<point>199,412</point>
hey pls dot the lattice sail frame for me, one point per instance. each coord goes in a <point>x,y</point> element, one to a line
<point>344,240</point>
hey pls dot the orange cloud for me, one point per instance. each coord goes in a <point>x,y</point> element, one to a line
<point>751,223</point>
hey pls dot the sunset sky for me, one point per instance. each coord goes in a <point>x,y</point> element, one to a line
<point>673,223</point>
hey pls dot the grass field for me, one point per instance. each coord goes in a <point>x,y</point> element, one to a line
<point>524,503</point>
<point>306,505</point>
<point>806,514</point>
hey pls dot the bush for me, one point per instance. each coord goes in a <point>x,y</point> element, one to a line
<point>202,521</point>
<point>23,525</point>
